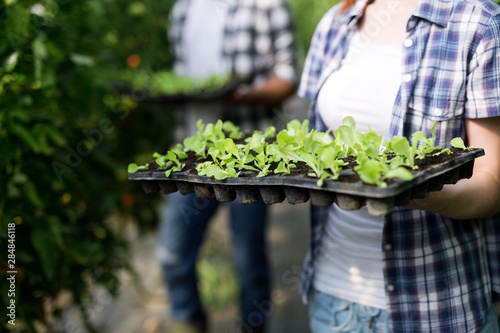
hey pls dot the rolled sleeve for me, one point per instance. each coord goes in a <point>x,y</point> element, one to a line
<point>483,81</point>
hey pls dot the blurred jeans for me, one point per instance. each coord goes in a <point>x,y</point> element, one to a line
<point>330,314</point>
<point>184,221</point>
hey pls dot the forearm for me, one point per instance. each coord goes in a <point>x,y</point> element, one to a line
<point>272,92</point>
<point>477,197</point>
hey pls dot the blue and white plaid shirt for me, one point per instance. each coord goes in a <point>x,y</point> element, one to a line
<point>439,272</point>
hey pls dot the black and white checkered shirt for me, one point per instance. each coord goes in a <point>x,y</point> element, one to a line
<point>258,40</point>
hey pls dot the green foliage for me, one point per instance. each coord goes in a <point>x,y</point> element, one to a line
<point>66,137</point>
<point>307,15</point>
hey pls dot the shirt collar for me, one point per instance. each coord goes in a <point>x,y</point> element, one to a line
<point>435,11</point>
<point>356,12</point>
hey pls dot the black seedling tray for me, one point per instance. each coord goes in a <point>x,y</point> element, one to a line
<point>197,96</point>
<point>299,188</point>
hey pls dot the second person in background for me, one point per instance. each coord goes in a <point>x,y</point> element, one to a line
<point>216,37</point>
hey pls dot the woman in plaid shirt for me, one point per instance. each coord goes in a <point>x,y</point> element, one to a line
<point>399,66</point>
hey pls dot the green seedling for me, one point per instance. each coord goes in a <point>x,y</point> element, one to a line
<point>179,151</point>
<point>318,150</point>
<point>401,147</point>
<point>197,145</point>
<point>428,147</point>
<point>274,155</point>
<point>346,137</point>
<point>173,164</point>
<point>233,130</point>
<point>210,169</point>
<point>269,132</point>
<point>375,172</point>
<point>213,132</point>
<point>459,143</point>
<point>133,167</point>
<point>261,163</point>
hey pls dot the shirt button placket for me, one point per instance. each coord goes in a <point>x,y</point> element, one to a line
<point>408,42</point>
<point>390,288</point>
<point>437,112</point>
<point>407,78</point>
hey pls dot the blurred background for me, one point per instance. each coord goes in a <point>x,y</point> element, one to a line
<point>84,233</point>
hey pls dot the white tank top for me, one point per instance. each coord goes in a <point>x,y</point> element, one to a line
<point>365,87</point>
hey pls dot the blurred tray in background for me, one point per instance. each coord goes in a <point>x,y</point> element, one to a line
<point>198,95</point>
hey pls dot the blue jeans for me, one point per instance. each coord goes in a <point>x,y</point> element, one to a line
<point>330,314</point>
<point>183,224</point>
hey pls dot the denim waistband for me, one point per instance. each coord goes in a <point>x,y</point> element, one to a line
<point>331,314</point>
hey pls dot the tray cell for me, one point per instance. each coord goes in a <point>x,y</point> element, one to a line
<point>185,187</point>
<point>379,207</point>
<point>403,198</point>
<point>419,191</point>
<point>167,186</point>
<point>349,202</point>
<point>224,193</point>
<point>203,191</point>
<point>272,194</point>
<point>466,170</point>
<point>436,183</point>
<point>321,198</point>
<point>150,186</point>
<point>451,177</point>
<point>296,195</point>
<point>248,194</point>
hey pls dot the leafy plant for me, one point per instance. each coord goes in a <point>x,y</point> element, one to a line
<point>133,167</point>
<point>428,147</point>
<point>401,147</point>
<point>459,143</point>
<point>373,171</point>
<point>66,138</point>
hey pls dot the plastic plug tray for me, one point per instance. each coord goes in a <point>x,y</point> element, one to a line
<point>297,188</point>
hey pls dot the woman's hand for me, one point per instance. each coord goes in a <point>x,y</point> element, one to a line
<point>272,92</point>
<point>479,196</point>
